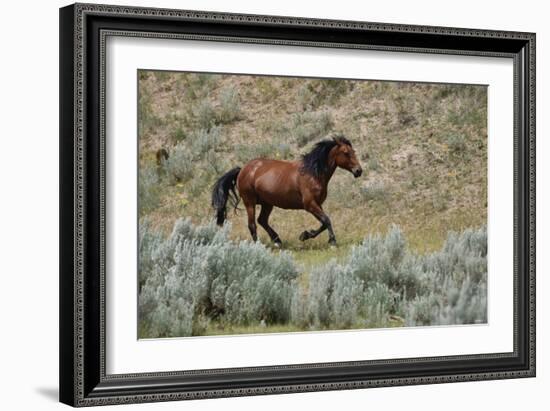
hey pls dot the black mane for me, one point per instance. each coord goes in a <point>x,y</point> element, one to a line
<point>316,161</point>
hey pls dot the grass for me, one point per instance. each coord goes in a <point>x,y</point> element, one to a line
<point>426,146</point>
<point>217,328</point>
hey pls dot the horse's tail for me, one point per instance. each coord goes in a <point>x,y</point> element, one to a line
<point>223,190</point>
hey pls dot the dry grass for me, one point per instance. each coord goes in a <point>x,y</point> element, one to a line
<point>427,144</point>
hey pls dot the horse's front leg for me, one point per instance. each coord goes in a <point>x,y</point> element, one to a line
<point>306,235</point>
<point>324,219</point>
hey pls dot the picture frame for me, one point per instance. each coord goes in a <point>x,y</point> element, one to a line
<point>84,82</point>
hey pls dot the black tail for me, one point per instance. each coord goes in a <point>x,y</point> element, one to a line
<point>222,191</point>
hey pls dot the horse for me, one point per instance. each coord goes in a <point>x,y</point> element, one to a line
<point>294,185</point>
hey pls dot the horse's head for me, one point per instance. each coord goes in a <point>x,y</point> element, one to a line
<point>344,156</point>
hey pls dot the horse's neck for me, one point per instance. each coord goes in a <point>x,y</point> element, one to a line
<point>331,168</point>
<point>326,178</point>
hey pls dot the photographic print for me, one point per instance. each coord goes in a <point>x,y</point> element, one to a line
<point>240,194</point>
<point>271,204</point>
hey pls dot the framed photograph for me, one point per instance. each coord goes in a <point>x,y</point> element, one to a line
<point>262,204</point>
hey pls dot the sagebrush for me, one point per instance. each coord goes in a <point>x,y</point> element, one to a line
<point>197,278</point>
<point>381,280</point>
<point>197,275</point>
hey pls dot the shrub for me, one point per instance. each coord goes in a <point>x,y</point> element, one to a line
<point>184,230</point>
<point>283,151</point>
<point>373,191</point>
<point>249,284</point>
<point>303,128</point>
<point>197,272</point>
<point>148,241</point>
<point>457,286</point>
<point>266,89</point>
<point>201,142</point>
<point>197,85</point>
<point>230,104</point>
<point>452,303</point>
<point>198,145</point>
<point>315,93</point>
<point>179,134</point>
<point>205,115</point>
<point>307,127</point>
<point>197,275</point>
<point>378,258</point>
<point>463,255</point>
<point>305,97</point>
<point>378,302</point>
<point>457,144</point>
<point>382,278</point>
<point>469,305</point>
<point>148,189</point>
<point>373,164</point>
<point>179,166</point>
<point>334,297</point>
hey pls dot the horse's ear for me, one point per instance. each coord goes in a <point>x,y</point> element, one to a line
<point>341,140</point>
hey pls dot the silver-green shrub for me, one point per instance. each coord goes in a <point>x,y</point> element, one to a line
<point>148,241</point>
<point>375,190</point>
<point>250,284</point>
<point>179,166</point>
<point>379,302</point>
<point>381,279</point>
<point>197,275</point>
<point>462,255</point>
<point>457,290</point>
<point>334,297</point>
<point>203,141</point>
<point>205,115</point>
<point>386,260</point>
<point>230,106</point>
<point>197,146</point>
<point>198,272</point>
<point>148,189</point>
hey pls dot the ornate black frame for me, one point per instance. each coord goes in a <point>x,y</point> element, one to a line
<point>83,30</point>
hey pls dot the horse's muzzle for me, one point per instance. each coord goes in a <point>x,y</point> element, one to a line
<point>357,172</point>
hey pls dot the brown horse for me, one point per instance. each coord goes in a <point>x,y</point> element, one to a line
<point>295,185</point>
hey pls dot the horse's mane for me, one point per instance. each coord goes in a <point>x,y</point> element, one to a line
<point>316,161</point>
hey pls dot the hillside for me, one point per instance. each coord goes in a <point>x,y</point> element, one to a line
<point>426,143</point>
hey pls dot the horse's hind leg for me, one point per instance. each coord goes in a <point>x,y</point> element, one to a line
<point>263,220</point>
<point>251,212</point>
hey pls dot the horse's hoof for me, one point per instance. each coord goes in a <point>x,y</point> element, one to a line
<point>277,244</point>
<point>332,243</point>
<point>304,236</point>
